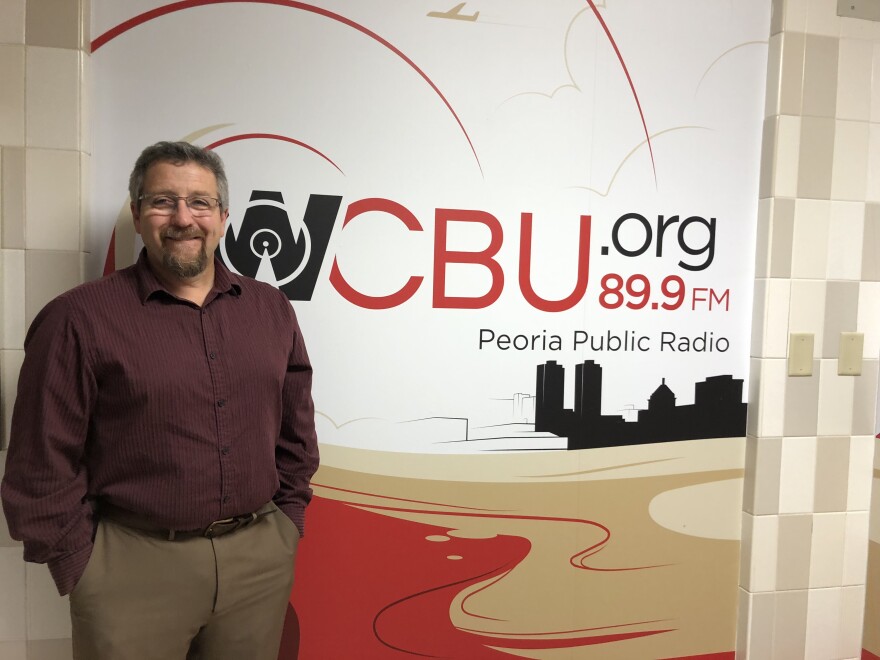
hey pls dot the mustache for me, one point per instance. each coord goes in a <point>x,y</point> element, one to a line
<point>177,234</point>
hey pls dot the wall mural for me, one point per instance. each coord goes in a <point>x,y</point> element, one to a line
<point>519,240</point>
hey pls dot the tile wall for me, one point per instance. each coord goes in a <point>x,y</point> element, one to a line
<point>810,448</point>
<point>44,164</point>
<point>810,445</point>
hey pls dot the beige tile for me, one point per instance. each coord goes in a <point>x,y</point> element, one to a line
<point>743,619</point>
<point>48,274</point>
<point>12,81</point>
<point>841,314</point>
<point>826,550</point>
<point>768,156</point>
<point>52,194</point>
<point>822,18</point>
<point>854,79</point>
<point>781,237</point>
<point>6,541</point>
<point>48,614</point>
<point>871,243</point>
<point>85,96</point>
<point>774,342</point>
<point>13,650</point>
<point>795,16</point>
<point>12,29</point>
<point>802,404</point>
<point>793,562</point>
<point>772,88</point>
<point>823,624</point>
<point>85,204</point>
<point>855,552</point>
<point>845,232</point>
<point>797,475</point>
<point>809,258</point>
<point>52,102</point>
<point>762,238</point>
<point>832,473</point>
<point>85,21</point>
<point>759,554</point>
<point>815,158</point>
<point>875,84</point>
<point>754,398</point>
<point>786,160</point>
<point>857,28</point>
<point>12,617</point>
<point>790,630</point>
<point>763,460</point>
<point>852,616</point>
<point>849,170</point>
<point>10,366</point>
<point>835,400</point>
<point>53,23</point>
<point>872,185</point>
<point>12,175</point>
<point>49,649</point>
<point>860,473</point>
<point>820,76</point>
<point>771,411</point>
<point>807,311</point>
<point>13,329</point>
<point>761,622</point>
<point>865,398</point>
<point>777,15</point>
<point>791,83</point>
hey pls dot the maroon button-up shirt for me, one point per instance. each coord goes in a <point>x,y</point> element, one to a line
<point>182,414</point>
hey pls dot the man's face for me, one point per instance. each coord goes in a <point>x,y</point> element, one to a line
<point>181,244</point>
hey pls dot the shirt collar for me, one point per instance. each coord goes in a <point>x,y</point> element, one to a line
<point>148,285</point>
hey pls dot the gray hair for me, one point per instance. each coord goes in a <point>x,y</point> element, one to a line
<point>178,153</point>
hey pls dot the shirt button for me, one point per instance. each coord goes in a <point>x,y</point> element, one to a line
<point>221,402</point>
<point>225,499</point>
<point>213,356</point>
<point>224,450</point>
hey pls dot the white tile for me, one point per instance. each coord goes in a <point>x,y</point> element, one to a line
<point>855,59</point>
<point>52,194</point>
<point>875,84</point>
<point>12,617</point>
<point>835,400</point>
<point>872,187</point>
<point>822,18</point>
<point>795,19</point>
<point>807,310</point>
<point>760,559</point>
<point>855,553</point>
<point>12,81</point>
<point>743,622</point>
<point>788,136</point>
<point>52,103</point>
<point>774,64</point>
<point>797,477</point>
<point>823,624</point>
<point>48,614</point>
<point>12,327</point>
<point>809,257</point>
<point>827,549</point>
<point>85,96</point>
<point>761,621</point>
<point>852,616</point>
<point>846,229</point>
<point>868,320</point>
<point>861,458</point>
<point>775,343</point>
<point>850,164</point>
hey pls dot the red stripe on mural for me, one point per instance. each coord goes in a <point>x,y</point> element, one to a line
<point>271,136</point>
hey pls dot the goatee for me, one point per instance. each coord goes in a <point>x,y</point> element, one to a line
<point>186,268</point>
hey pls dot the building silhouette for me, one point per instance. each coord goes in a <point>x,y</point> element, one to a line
<point>717,411</point>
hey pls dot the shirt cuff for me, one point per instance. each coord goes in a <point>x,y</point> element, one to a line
<point>298,515</point>
<point>67,570</point>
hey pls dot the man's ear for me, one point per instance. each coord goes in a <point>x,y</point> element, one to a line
<point>135,216</point>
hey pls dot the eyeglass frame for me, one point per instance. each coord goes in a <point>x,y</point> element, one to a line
<point>185,199</point>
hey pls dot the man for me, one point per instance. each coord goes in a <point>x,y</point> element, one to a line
<point>163,437</point>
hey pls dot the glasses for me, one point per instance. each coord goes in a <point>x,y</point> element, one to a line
<point>198,205</point>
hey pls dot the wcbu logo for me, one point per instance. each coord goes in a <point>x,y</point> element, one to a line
<point>273,247</point>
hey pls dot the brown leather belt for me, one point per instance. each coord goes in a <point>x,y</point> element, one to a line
<point>217,528</point>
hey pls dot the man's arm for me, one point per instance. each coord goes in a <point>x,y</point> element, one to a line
<point>44,488</point>
<point>296,452</point>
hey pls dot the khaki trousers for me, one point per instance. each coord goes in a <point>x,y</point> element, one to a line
<point>146,598</point>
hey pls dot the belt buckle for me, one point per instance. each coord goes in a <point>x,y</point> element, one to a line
<point>212,531</point>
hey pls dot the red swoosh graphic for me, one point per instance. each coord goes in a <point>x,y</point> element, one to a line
<point>270,136</point>
<point>629,80</point>
<point>135,21</point>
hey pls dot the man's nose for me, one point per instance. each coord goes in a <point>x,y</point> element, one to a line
<point>182,215</point>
